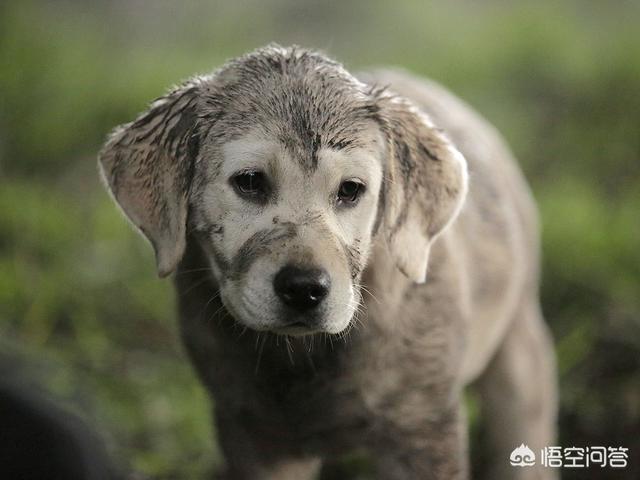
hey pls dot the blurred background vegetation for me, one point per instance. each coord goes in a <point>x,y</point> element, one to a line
<point>80,303</point>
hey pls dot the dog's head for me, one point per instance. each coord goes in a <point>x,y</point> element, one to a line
<point>285,168</point>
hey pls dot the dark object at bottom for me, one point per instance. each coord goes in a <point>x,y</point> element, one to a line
<point>39,440</point>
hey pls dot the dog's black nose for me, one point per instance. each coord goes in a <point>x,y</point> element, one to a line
<point>301,288</point>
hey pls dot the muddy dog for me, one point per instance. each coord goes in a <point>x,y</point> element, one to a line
<point>350,253</point>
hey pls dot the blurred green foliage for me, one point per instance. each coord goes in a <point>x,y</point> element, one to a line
<point>78,292</point>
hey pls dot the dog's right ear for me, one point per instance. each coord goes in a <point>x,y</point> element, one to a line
<point>426,183</point>
<point>147,165</point>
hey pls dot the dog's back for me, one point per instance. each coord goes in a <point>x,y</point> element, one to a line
<point>494,243</point>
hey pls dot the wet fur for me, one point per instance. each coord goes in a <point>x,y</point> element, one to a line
<point>390,385</point>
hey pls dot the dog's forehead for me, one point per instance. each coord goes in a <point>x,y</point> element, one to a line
<point>257,149</point>
<point>300,99</point>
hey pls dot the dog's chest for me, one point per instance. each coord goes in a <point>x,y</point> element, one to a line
<point>310,400</point>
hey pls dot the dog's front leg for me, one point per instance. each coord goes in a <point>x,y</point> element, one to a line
<point>251,454</point>
<point>300,469</point>
<point>432,449</point>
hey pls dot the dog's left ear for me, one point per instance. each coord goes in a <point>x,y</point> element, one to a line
<point>425,183</point>
<point>148,166</point>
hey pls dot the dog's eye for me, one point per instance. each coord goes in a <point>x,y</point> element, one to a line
<point>250,183</point>
<point>349,192</point>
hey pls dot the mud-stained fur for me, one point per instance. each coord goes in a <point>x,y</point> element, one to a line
<point>430,268</point>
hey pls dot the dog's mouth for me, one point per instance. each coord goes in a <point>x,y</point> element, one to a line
<point>294,326</point>
<point>296,329</point>
<point>253,309</point>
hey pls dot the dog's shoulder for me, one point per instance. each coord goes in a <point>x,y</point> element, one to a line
<point>494,240</point>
